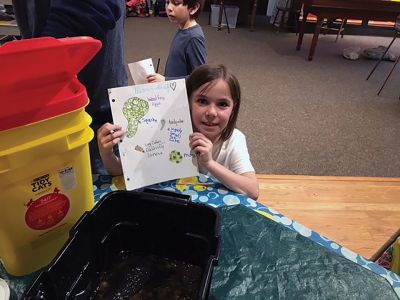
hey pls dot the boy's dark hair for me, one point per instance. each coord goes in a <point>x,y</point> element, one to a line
<point>191,4</point>
<point>207,75</point>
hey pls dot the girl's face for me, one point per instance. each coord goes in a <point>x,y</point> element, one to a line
<point>178,13</point>
<point>211,108</point>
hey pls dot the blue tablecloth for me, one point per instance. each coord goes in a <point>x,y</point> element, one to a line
<point>202,189</point>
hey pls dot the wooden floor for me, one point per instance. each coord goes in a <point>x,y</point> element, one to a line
<point>360,213</point>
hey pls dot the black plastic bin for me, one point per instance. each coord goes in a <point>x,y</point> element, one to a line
<point>120,246</point>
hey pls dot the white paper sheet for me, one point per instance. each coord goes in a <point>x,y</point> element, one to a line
<point>141,69</point>
<point>157,123</point>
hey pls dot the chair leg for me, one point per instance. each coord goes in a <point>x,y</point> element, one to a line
<point>282,20</point>
<point>276,16</point>
<point>296,22</point>
<point>340,30</point>
<point>226,20</point>
<point>344,24</point>
<point>390,73</point>
<point>383,55</point>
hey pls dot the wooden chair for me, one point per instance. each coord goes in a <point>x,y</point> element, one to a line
<point>328,26</point>
<point>396,34</point>
<point>243,12</point>
<point>221,15</point>
<point>290,7</point>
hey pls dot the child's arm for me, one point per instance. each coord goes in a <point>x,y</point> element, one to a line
<point>108,136</point>
<point>245,183</point>
<point>81,18</point>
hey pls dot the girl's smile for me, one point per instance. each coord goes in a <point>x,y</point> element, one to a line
<point>211,108</point>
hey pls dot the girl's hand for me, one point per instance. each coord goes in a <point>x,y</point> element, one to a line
<point>155,78</point>
<point>202,146</point>
<point>108,136</point>
<point>245,183</point>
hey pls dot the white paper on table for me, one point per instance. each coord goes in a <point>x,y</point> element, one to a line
<point>141,69</point>
<point>156,119</point>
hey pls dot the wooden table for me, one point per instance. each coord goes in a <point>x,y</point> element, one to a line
<point>243,12</point>
<point>360,213</point>
<point>376,10</point>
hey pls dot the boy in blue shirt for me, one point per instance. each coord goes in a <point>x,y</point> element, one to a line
<point>188,48</point>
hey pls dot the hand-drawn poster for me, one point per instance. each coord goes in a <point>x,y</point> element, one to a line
<point>157,125</point>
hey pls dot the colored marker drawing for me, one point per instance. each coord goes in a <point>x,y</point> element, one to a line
<point>175,156</point>
<point>134,109</point>
<point>155,118</point>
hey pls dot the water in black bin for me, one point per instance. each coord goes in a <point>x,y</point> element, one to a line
<point>148,277</point>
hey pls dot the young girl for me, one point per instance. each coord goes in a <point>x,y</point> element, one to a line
<point>214,98</point>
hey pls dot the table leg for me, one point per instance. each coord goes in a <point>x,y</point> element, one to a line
<point>221,11</point>
<point>301,29</point>
<point>314,41</point>
<point>253,15</point>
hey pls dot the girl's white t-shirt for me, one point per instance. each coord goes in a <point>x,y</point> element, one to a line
<point>232,154</point>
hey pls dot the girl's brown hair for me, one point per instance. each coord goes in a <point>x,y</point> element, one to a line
<point>207,75</point>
